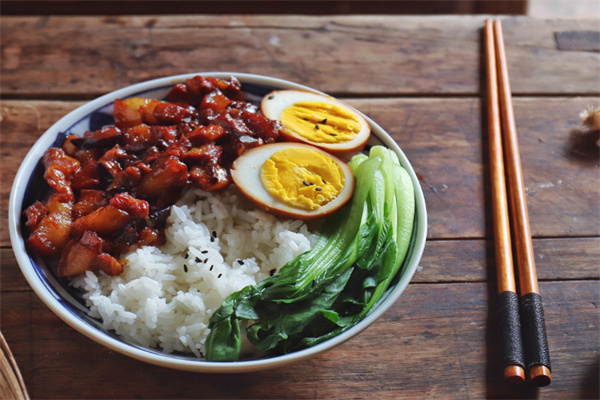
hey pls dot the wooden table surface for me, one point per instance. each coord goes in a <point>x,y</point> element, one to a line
<point>421,79</point>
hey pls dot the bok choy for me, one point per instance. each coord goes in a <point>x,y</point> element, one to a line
<point>332,287</point>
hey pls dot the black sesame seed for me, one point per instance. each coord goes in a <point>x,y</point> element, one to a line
<point>186,256</point>
<point>204,251</point>
<point>211,267</point>
<point>185,267</point>
<point>271,97</point>
<point>214,233</point>
<point>324,182</point>
<point>197,259</point>
<point>205,260</point>
<point>305,183</point>
<point>212,239</point>
<point>332,134</point>
<point>240,262</point>
<point>220,275</point>
<point>272,272</point>
<point>318,189</point>
<point>317,127</point>
<point>324,121</point>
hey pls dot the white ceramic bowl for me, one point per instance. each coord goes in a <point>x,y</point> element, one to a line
<point>63,301</point>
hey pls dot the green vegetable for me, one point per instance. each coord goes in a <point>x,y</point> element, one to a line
<point>330,288</point>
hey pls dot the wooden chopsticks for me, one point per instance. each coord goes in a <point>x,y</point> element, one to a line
<point>520,317</point>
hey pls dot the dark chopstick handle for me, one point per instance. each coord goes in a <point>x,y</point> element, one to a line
<point>509,324</point>
<point>537,354</point>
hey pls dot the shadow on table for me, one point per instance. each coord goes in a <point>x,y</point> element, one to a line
<point>584,146</point>
<point>324,7</point>
<point>590,386</point>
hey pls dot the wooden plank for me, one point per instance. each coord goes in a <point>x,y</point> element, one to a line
<point>443,140</point>
<point>87,56</point>
<point>443,261</point>
<point>434,330</point>
<point>474,260</point>
<point>447,146</point>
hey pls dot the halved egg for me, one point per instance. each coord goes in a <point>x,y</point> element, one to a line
<point>318,120</point>
<point>293,180</point>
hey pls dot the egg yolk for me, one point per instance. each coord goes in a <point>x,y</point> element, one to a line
<point>302,178</point>
<point>321,122</point>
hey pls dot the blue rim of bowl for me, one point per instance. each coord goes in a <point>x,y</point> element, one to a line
<point>65,303</point>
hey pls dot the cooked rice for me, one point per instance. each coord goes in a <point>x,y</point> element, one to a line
<point>166,294</point>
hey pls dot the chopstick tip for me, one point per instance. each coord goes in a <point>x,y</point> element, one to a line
<point>514,375</point>
<point>540,375</point>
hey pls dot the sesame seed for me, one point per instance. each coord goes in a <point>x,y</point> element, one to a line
<point>324,121</point>
<point>333,134</point>
<point>240,262</point>
<point>305,183</point>
<point>220,275</point>
<point>197,259</point>
<point>318,189</point>
<point>214,234</point>
<point>185,267</point>
<point>205,260</point>
<point>271,97</point>
<point>317,127</point>
<point>204,251</point>
<point>186,256</point>
<point>272,272</point>
<point>212,239</point>
<point>211,267</point>
<point>324,183</point>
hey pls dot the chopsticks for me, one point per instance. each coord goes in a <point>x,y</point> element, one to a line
<point>520,318</point>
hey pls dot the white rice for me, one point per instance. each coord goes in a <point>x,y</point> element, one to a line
<point>156,303</point>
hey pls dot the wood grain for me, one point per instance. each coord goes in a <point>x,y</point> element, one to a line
<point>78,56</point>
<point>386,361</point>
<point>444,141</point>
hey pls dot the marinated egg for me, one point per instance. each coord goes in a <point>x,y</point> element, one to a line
<point>293,180</point>
<point>319,120</point>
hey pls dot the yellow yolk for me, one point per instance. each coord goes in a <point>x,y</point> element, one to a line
<point>302,178</point>
<point>321,122</point>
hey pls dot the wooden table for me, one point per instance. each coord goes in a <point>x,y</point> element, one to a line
<point>421,79</point>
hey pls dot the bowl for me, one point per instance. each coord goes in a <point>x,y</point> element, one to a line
<point>65,303</point>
